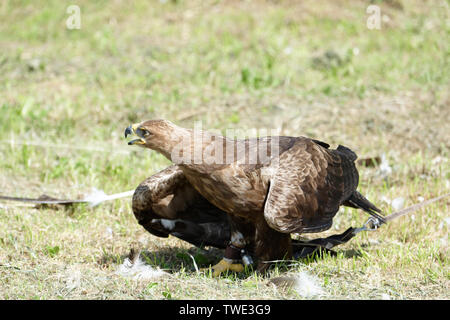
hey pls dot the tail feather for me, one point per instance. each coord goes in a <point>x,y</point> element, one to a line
<point>349,153</point>
<point>357,200</point>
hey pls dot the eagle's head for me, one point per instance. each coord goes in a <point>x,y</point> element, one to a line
<point>159,135</point>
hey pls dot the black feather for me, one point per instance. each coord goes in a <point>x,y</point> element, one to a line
<point>357,200</point>
<point>349,153</point>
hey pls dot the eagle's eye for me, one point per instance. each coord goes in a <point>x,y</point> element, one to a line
<point>143,132</point>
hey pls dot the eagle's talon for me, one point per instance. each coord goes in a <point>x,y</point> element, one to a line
<point>225,265</point>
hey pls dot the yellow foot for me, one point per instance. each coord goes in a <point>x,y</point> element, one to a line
<point>223,266</point>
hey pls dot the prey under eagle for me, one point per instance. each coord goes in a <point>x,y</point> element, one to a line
<point>244,195</point>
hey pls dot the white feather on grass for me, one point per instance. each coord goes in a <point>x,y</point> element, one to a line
<point>139,270</point>
<point>108,233</point>
<point>98,196</point>
<point>385,169</point>
<point>398,203</point>
<point>73,280</point>
<point>445,222</point>
<point>303,283</point>
<point>385,296</point>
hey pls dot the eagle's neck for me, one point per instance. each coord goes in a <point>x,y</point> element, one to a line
<point>193,147</point>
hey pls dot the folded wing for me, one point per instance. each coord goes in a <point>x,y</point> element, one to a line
<point>308,186</point>
<point>166,204</point>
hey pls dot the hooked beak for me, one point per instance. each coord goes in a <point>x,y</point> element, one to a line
<point>131,130</point>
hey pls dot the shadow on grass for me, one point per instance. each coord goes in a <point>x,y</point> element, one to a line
<point>174,259</point>
<point>171,259</point>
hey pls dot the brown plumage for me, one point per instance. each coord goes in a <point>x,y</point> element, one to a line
<point>248,193</point>
<point>166,203</point>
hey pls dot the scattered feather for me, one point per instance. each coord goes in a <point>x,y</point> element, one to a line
<point>445,222</point>
<point>287,51</point>
<point>139,270</point>
<point>304,284</point>
<point>108,232</point>
<point>95,197</point>
<point>385,296</point>
<point>195,263</point>
<point>73,280</point>
<point>168,224</point>
<point>98,196</point>
<point>398,203</point>
<point>386,200</point>
<point>438,160</point>
<point>385,169</point>
<point>35,64</point>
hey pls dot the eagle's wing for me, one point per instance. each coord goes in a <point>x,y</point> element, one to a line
<point>308,186</point>
<point>166,203</point>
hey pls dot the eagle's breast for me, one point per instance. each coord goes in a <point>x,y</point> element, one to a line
<point>232,188</point>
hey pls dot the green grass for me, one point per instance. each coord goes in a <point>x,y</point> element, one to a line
<point>311,68</point>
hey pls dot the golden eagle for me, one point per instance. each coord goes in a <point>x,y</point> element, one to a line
<point>242,194</point>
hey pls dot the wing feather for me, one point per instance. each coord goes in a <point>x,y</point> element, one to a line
<point>309,185</point>
<point>166,203</point>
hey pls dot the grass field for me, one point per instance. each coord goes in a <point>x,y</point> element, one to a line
<point>310,68</point>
